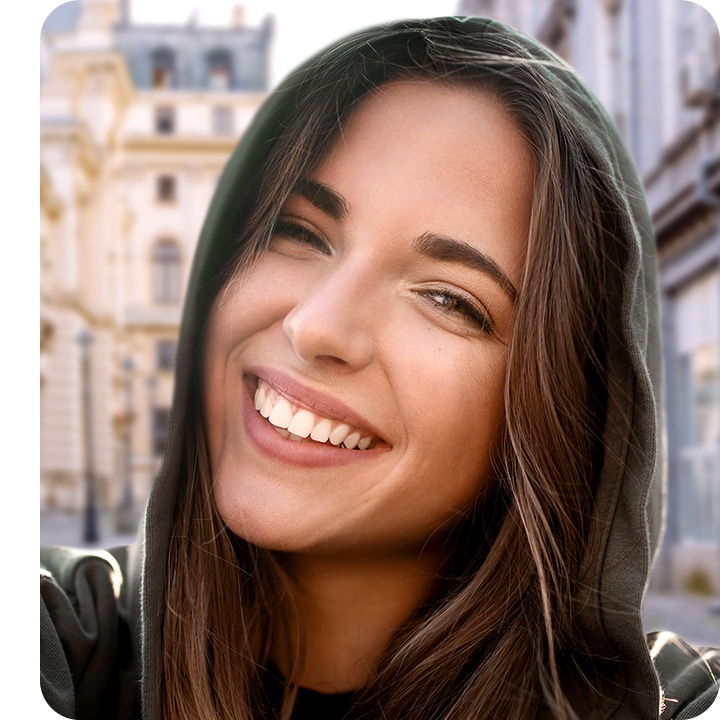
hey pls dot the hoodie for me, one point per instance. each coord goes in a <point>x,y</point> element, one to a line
<point>101,611</point>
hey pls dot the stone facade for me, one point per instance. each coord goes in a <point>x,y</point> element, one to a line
<point>655,65</point>
<point>136,125</point>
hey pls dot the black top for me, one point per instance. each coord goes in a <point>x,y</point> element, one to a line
<point>313,705</point>
<point>309,704</point>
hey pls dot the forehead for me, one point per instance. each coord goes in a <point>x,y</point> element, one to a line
<point>442,157</point>
<point>462,113</point>
<point>433,127</point>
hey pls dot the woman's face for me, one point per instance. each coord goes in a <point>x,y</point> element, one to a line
<point>379,318</point>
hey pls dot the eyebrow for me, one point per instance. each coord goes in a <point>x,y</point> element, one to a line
<point>440,247</point>
<point>431,245</point>
<point>323,198</point>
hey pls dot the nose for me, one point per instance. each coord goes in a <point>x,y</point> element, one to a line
<point>331,322</point>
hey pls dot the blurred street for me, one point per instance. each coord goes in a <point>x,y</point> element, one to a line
<point>64,528</point>
<point>696,619</point>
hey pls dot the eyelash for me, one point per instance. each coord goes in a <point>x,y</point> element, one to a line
<point>301,234</point>
<point>457,304</point>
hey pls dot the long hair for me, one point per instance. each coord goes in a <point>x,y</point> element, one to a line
<point>499,639</point>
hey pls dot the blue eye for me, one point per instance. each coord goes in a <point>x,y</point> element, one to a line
<point>299,233</point>
<point>462,307</point>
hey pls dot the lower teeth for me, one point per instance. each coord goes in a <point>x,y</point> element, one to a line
<point>296,438</point>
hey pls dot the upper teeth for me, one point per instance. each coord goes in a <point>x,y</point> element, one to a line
<point>302,423</point>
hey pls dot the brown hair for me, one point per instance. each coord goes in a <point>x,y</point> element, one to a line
<point>501,634</point>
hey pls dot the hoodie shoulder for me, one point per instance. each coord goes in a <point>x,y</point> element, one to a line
<point>688,675</point>
<point>87,668</point>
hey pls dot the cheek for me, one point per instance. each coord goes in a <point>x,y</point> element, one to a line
<point>452,386</point>
<point>214,410</point>
<point>263,294</point>
<point>228,326</point>
<point>469,415</point>
<point>450,392</point>
<point>244,308</point>
<point>450,449</point>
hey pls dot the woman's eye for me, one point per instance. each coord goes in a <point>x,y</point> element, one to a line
<point>299,233</point>
<point>462,307</point>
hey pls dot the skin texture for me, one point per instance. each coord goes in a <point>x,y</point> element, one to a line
<point>362,311</point>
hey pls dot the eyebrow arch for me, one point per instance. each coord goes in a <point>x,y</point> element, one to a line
<point>439,247</point>
<point>432,245</point>
<point>323,198</point>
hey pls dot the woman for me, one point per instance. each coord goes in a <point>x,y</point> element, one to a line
<point>414,466</point>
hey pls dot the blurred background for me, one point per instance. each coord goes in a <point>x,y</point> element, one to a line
<point>142,102</point>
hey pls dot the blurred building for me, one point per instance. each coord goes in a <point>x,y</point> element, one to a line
<point>136,125</point>
<point>655,64</point>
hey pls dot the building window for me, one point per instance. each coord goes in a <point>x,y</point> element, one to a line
<point>165,120</point>
<point>166,188</point>
<point>165,351</point>
<point>556,29</point>
<point>163,68</point>
<point>219,70</point>
<point>160,421</point>
<point>698,407</point>
<point>166,272</point>
<point>223,121</point>
<point>561,41</point>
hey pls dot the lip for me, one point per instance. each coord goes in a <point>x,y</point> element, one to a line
<point>303,454</point>
<point>314,400</point>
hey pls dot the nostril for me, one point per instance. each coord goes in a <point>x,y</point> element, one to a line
<point>330,360</point>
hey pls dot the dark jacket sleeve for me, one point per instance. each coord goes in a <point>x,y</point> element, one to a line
<point>86,665</point>
<point>688,675</point>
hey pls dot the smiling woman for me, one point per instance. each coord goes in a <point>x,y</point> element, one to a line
<point>415,463</point>
<point>363,296</point>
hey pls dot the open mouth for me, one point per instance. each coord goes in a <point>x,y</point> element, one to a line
<point>302,425</point>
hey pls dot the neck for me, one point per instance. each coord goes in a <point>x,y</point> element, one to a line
<point>350,608</point>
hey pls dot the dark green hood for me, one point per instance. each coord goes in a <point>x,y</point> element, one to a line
<point>628,515</point>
